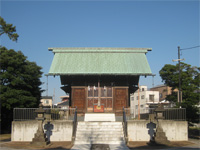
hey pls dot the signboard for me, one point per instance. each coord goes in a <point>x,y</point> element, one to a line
<point>98,108</point>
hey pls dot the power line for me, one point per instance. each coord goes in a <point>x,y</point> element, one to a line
<point>189,48</point>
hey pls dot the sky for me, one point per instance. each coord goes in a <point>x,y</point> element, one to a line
<point>160,25</point>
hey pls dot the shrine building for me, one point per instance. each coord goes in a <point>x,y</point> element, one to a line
<point>99,79</point>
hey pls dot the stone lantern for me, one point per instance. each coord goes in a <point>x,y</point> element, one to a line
<point>40,113</point>
<point>159,112</point>
<point>40,137</point>
<point>159,136</point>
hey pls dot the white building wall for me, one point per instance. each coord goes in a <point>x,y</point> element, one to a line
<point>144,99</point>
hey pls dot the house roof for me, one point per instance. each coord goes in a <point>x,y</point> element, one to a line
<point>46,97</point>
<point>65,103</point>
<point>100,61</point>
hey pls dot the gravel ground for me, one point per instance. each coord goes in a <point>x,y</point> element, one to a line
<point>192,144</point>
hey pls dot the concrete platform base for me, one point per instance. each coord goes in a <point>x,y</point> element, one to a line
<point>99,117</point>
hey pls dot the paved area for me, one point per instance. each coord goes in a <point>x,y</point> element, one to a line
<point>87,147</point>
<point>81,146</point>
<point>195,145</point>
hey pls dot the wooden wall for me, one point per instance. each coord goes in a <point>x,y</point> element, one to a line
<point>79,98</point>
<point>120,98</point>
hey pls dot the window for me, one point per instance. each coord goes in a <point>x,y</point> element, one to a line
<point>90,92</point>
<point>109,91</point>
<point>160,95</point>
<point>137,97</point>
<point>104,91</point>
<point>96,91</point>
<point>151,98</point>
<point>142,89</point>
<point>141,106</point>
<point>46,101</point>
<point>132,98</point>
<point>105,94</point>
<point>142,97</point>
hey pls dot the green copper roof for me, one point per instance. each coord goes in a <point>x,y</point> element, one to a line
<point>100,61</point>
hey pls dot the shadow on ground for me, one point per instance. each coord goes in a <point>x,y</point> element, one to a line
<point>5,140</point>
<point>132,145</point>
<point>27,145</point>
<point>5,137</point>
<point>173,145</point>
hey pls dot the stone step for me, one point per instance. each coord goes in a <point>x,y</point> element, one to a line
<point>89,124</point>
<point>99,142</point>
<point>98,129</point>
<point>99,133</point>
<point>100,139</point>
<point>99,123</point>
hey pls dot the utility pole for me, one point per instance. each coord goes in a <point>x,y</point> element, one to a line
<point>179,90</point>
<point>138,101</point>
<point>54,97</point>
<point>179,69</point>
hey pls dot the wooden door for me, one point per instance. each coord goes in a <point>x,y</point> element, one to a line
<point>120,98</point>
<point>78,98</point>
<point>105,94</point>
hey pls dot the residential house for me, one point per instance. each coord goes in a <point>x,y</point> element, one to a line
<point>143,98</point>
<point>46,101</point>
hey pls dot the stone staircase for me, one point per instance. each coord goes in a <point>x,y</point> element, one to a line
<point>99,133</point>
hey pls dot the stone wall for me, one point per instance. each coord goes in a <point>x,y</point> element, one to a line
<point>137,130</point>
<point>174,130</point>
<point>55,130</point>
<point>62,130</point>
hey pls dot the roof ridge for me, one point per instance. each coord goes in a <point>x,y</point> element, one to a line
<point>98,48</point>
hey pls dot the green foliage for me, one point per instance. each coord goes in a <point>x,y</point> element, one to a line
<point>189,85</point>
<point>20,80</point>
<point>8,29</point>
<point>19,83</point>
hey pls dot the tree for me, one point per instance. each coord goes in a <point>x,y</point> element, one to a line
<point>189,86</point>
<point>19,79</point>
<point>19,83</point>
<point>8,29</point>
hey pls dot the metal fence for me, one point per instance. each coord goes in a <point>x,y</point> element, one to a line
<point>23,114</point>
<point>178,114</point>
